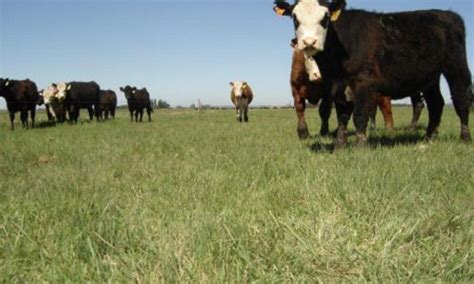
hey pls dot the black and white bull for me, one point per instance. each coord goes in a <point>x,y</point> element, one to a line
<point>77,95</point>
<point>396,54</point>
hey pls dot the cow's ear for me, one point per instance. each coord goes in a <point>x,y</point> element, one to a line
<point>68,87</point>
<point>122,90</point>
<point>335,8</point>
<point>244,85</point>
<point>282,8</point>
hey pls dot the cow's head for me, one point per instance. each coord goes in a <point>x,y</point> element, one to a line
<point>62,88</point>
<point>4,83</point>
<point>238,88</point>
<point>40,100</point>
<point>311,19</point>
<point>128,91</point>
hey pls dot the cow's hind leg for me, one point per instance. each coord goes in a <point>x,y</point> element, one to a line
<point>91,113</point>
<point>24,118</point>
<point>141,115</point>
<point>373,113</point>
<point>148,111</point>
<point>435,103</point>
<point>461,95</point>
<point>418,106</point>
<point>385,105</point>
<point>33,116</point>
<point>325,113</point>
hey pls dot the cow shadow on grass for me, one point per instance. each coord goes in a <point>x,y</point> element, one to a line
<point>401,137</point>
<point>45,124</point>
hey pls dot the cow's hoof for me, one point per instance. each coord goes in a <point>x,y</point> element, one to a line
<point>303,133</point>
<point>340,143</point>
<point>324,132</point>
<point>466,137</point>
<point>362,140</point>
<point>246,119</point>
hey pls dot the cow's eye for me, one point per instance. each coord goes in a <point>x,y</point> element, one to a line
<point>325,21</point>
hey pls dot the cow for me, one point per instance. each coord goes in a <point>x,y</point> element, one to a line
<point>241,96</point>
<point>137,100</point>
<point>306,85</point>
<point>108,104</point>
<point>394,54</point>
<point>21,96</point>
<point>54,105</point>
<point>77,95</point>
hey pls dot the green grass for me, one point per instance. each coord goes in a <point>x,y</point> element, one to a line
<point>205,199</point>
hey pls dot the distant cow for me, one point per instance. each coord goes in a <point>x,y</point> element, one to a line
<point>54,105</point>
<point>137,100</point>
<point>108,104</point>
<point>241,96</point>
<point>394,54</point>
<point>21,96</point>
<point>79,95</point>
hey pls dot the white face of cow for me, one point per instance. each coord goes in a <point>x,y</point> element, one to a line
<point>311,26</point>
<point>238,88</point>
<point>62,90</point>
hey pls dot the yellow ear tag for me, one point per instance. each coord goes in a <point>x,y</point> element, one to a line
<point>279,11</point>
<point>335,15</point>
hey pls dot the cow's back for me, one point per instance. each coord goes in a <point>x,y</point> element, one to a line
<point>402,51</point>
<point>85,94</point>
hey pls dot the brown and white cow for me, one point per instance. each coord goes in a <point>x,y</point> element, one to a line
<point>241,96</point>
<point>53,103</point>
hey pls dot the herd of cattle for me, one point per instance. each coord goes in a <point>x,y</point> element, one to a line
<point>68,98</point>
<point>353,59</point>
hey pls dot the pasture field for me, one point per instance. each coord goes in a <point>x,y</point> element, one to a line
<point>201,198</point>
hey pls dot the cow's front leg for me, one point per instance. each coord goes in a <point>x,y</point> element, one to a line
<point>344,111</point>
<point>246,118</point>
<point>325,114</point>
<point>12,119</point>
<point>300,107</point>
<point>361,112</point>
<point>239,114</point>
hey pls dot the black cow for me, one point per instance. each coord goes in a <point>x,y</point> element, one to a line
<point>20,96</point>
<point>397,54</point>
<point>79,95</point>
<point>108,104</point>
<point>137,101</point>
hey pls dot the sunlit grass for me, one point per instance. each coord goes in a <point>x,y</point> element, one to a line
<point>201,198</point>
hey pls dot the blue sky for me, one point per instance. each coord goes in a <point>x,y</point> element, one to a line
<point>181,50</point>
